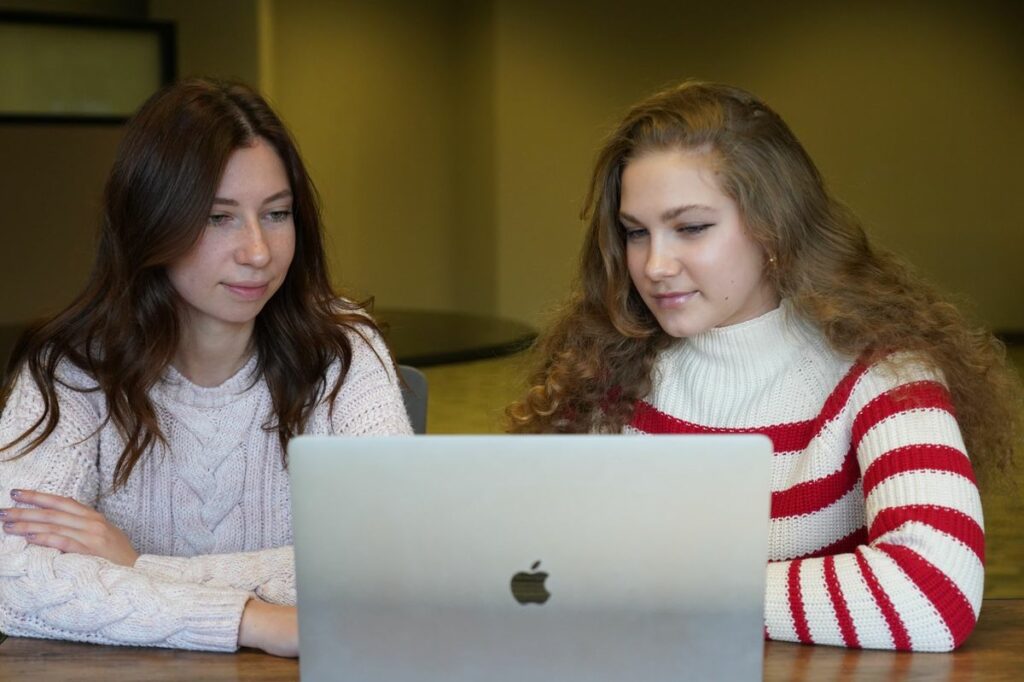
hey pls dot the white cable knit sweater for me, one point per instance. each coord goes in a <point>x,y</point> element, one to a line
<point>210,515</point>
<point>876,537</point>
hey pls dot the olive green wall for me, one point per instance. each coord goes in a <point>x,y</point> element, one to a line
<point>125,9</point>
<point>50,186</point>
<point>390,102</point>
<point>912,111</point>
<point>215,37</point>
<point>452,141</point>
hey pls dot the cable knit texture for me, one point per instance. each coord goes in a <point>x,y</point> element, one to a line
<point>210,513</point>
<point>876,536</point>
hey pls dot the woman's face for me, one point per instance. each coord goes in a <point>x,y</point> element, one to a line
<point>688,253</point>
<point>244,253</point>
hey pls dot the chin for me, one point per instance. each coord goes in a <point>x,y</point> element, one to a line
<point>682,330</point>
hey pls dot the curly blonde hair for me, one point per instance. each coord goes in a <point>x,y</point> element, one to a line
<point>594,362</point>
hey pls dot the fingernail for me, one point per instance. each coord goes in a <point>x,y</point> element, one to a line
<point>15,494</point>
<point>8,525</point>
<point>3,513</point>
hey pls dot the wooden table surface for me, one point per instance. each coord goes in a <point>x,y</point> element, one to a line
<point>994,652</point>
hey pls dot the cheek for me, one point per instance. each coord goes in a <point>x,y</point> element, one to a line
<point>635,261</point>
<point>194,268</point>
<point>286,249</point>
<point>281,240</point>
<point>741,262</point>
<point>181,273</point>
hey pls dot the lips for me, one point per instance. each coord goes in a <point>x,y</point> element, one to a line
<point>673,299</point>
<point>248,291</point>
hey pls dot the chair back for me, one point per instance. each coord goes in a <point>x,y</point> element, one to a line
<point>414,393</point>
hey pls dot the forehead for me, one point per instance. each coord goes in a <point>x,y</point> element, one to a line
<point>656,178</point>
<point>255,164</point>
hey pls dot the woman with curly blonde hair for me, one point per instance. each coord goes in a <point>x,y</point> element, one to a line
<point>722,289</point>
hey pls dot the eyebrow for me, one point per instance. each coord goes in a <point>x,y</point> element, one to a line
<point>669,214</point>
<point>283,194</point>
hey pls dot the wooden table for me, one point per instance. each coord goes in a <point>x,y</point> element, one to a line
<point>995,652</point>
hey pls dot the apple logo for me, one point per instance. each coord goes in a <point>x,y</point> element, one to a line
<point>528,588</point>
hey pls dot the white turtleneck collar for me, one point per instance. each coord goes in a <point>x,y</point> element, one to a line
<point>726,374</point>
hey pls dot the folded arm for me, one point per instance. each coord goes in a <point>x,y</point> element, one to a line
<point>47,593</point>
<point>917,582</point>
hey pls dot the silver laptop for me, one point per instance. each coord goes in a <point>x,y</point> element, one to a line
<point>530,558</point>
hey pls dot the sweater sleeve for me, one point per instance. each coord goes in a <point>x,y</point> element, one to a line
<point>917,582</point>
<point>268,574</point>
<point>369,403</point>
<point>49,594</point>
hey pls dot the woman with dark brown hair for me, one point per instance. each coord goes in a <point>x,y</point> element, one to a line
<point>143,428</point>
<point>722,289</point>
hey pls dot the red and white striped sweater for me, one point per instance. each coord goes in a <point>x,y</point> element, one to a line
<point>876,536</point>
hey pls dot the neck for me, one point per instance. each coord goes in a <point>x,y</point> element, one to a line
<point>210,356</point>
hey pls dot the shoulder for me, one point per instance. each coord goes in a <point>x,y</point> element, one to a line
<point>900,373</point>
<point>900,394</point>
<point>368,347</point>
<point>80,403</point>
<point>71,383</point>
<point>370,352</point>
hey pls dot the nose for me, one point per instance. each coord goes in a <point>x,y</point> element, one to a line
<point>252,248</point>
<point>661,262</point>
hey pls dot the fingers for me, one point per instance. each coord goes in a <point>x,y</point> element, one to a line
<point>50,516</point>
<point>56,541</point>
<point>58,537</point>
<point>49,501</point>
<point>64,524</point>
<point>81,537</point>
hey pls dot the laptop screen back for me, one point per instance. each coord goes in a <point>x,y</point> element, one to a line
<point>531,557</point>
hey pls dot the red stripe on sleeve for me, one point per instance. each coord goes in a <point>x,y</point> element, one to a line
<point>811,496</point>
<point>914,396</point>
<point>835,593</point>
<point>900,638</point>
<point>796,604</point>
<point>917,457</point>
<point>950,602</point>
<point>944,519</point>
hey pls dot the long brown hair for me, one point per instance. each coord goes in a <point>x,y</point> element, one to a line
<point>124,327</point>
<point>594,362</point>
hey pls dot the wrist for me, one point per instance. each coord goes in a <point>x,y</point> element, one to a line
<point>249,626</point>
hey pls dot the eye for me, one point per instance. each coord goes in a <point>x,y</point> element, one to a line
<point>634,233</point>
<point>280,215</point>
<point>694,228</point>
<point>218,219</point>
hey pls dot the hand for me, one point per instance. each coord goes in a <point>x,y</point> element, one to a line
<point>270,627</point>
<point>65,524</point>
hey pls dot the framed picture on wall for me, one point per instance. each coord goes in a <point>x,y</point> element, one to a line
<point>71,69</point>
